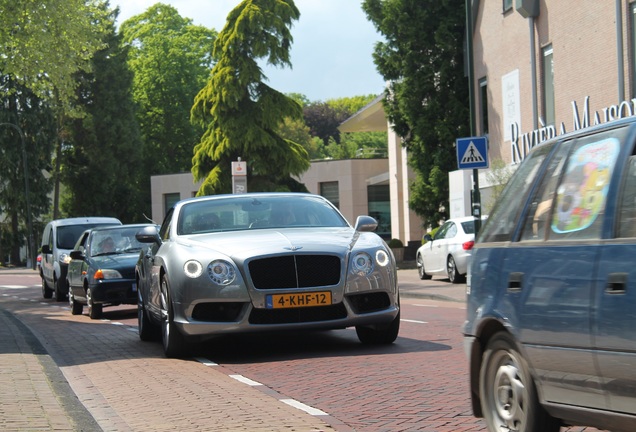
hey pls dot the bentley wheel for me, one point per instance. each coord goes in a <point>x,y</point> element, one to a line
<point>379,335</point>
<point>420,268</point>
<point>508,395</point>
<point>47,292</point>
<point>147,329</point>
<point>94,309</point>
<point>174,345</point>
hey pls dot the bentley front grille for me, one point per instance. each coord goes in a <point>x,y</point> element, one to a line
<point>295,271</point>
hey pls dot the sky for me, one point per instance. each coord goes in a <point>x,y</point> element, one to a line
<point>331,54</point>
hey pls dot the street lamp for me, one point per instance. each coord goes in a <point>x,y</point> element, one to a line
<point>30,246</point>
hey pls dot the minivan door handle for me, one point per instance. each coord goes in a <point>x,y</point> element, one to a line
<point>515,280</point>
<point>616,283</point>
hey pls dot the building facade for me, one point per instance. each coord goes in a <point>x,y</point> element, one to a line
<point>546,67</point>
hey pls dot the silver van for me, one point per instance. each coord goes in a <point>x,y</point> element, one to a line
<point>58,239</point>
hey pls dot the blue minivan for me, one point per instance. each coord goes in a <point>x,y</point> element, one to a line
<point>551,289</point>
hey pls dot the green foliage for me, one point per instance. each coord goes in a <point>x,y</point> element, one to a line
<point>242,116</point>
<point>171,59</point>
<point>395,243</point>
<point>498,176</point>
<point>23,115</point>
<point>427,99</point>
<point>43,43</point>
<point>350,105</point>
<point>104,146</point>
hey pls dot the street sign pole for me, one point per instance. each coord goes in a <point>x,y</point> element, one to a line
<point>239,177</point>
<point>472,153</point>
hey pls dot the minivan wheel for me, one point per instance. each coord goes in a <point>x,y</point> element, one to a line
<point>508,395</point>
<point>59,290</point>
<point>47,292</point>
<point>451,269</point>
<point>420,268</point>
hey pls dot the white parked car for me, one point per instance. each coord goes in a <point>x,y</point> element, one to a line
<point>446,254</point>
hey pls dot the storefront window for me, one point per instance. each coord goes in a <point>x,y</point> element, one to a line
<point>169,200</point>
<point>380,209</point>
<point>548,86</point>
<point>330,191</point>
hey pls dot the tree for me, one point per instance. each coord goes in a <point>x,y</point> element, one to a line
<point>45,42</point>
<point>242,115</point>
<point>23,116</point>
<point>103,148</point>
<point>427,98</point>
<point>171,60</point>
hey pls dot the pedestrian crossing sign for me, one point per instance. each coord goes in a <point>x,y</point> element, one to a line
<point>472,152</point>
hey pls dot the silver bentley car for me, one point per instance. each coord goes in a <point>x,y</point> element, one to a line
<point>263,261</point>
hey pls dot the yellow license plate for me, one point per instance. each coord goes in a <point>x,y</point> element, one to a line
<point>296,300</point>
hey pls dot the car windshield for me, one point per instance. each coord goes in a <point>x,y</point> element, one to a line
<point>115,241</point>
<point>233,214</point>
<point>68,235</point>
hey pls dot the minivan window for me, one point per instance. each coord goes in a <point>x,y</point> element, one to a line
<point>540,211</point>
<point>503,218</point>
<point>580,199</point>
<point>627,212</point>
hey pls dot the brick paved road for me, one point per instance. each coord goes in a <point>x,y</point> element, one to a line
<point>249,383</point>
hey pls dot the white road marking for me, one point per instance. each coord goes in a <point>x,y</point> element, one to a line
<point>205,361</point>
<point>425,305</point>
<point>245,380</point>
<point>414,321</point>
<point>13,286</point>
<point>301,406</point>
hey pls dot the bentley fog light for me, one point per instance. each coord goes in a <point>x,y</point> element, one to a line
<point>362,264</point>
<point>221,272</point>
<point>192,269</point>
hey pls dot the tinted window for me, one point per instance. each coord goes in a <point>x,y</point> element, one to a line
<point>502,220</point>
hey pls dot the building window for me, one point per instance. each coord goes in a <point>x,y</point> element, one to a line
<point>330,191</point>
<point>380,209</point>
<point>507,5</point>
<point>169,200</point>
<point>483,106</point>
<point>633,47</point>
<point>548,86</point>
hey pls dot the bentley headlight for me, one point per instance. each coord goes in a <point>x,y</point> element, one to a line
<point>362,264</point>
<point>381,257</point>
<point>192,269</point>
<point>221,272</point>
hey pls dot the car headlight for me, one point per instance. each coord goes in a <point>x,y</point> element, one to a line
<point>381,257</point>
<point>221,272</point>
<point>65,258</point>
<point>362,264</point>
<point>192,269</point>
<point>107,274</point>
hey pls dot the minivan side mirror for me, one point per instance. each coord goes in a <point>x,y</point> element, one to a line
<point>428,237</point>
<point>46,249</point>
<point>148,234</point>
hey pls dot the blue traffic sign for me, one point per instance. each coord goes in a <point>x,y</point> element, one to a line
<point>472,152</point>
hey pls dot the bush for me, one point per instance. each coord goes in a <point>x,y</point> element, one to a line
<point>395,243</point>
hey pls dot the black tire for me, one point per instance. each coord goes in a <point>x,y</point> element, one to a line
<point>508,394</point>
<point>451,270</point>
<point>174,344</point>
<point>94,309</point>
<point>47,292</point>
<point>148,331</point>
<point>420,268</point>
<point>76,307</point>
<point>379,335</point>
<point>60,290</point>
